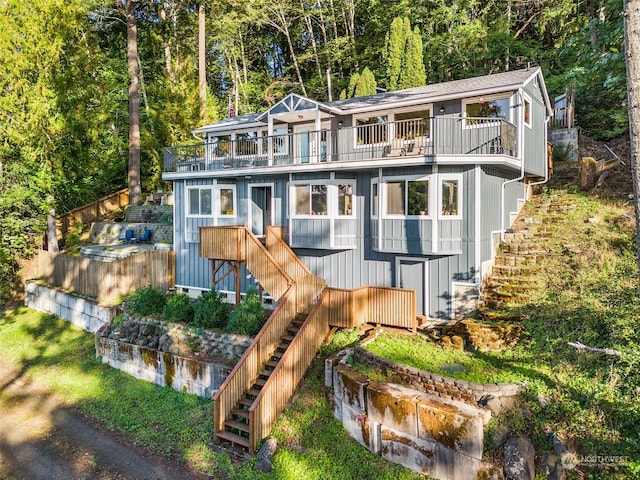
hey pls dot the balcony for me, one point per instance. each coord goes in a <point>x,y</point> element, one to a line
<point>427,137</point>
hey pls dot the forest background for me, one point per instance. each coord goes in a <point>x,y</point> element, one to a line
<point>64,106</point>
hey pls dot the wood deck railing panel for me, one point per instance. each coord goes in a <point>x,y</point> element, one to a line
<point>92,212</point>
<point>108,280</point>
<point>395,307</point>
<point>223,243</point>
<point>287,375</point>
<point>284,255</point>
<point>266,269</point>
<point>245,371</point>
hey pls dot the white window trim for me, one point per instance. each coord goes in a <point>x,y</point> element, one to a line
<point>450,176</point>
<point>486,98</point>
<point>374,202</point>
<point>382,192</point>
<point>527,99</point>
<point>216,200</point>
<point>354,122</point>
<point>188,201</point>
<point>332,199</point>
<point>413,108</point>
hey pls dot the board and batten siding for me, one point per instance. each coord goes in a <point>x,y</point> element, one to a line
<point>535,147</point>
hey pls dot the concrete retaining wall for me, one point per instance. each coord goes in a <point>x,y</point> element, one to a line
<point>163,368</point>
<point>83,312</point>
<point>436,437</point>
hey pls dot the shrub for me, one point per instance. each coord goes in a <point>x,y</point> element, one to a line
<point>178,309</point>
<point>248,318</point>
<point>210,310</point>
<point>147,300</point>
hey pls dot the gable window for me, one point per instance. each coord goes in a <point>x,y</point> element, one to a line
<point>200,201</point>
<point>476,109</point>
<point>450,196</point>
<point>371,130</point>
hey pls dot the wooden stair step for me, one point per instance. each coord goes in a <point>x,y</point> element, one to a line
<point>254,392</point>
<point>245,402</point>
<point>240,412</point>
<point>265,373</point>
<point>233,438</point>
<point>260,382</point>
<point>288,338</point>
<point>270,363</point>
<point>243,427</point>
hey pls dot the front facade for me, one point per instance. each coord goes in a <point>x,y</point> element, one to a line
<point>409,189</point>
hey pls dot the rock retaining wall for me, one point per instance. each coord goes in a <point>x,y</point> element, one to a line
<point>83,312</point>
<point>496,397</point>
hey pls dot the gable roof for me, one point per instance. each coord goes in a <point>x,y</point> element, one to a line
<point>468,87</point>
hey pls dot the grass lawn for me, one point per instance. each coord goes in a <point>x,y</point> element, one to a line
<point>60,357</point>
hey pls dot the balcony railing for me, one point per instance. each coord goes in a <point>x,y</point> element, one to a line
<point>407,138</point>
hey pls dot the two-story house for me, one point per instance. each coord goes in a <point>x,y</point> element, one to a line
<point>410,188</point>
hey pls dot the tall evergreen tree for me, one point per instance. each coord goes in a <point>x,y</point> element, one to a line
<point>395,45</point>
<point>413,72</point>
<point>366,84</point>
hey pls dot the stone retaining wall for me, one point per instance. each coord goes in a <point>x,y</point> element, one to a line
<point>108,233</point>
<point>443,439</point>
<point>187,375</point>
<point>84,312</point>
<point>496,397</point>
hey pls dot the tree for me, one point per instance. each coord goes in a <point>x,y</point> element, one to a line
<point>395,44</point>
<point>413,74</point>
<point>202,64</point>
<point>366,84</point>
<point>135,187</point>
<point>632,56</point>
<point>403,56</point>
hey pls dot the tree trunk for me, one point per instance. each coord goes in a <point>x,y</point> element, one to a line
<point>135,188</point>
<point>52,231</point>
<point>202,67</point>
<point>632,56</point>
<point>166,45</point>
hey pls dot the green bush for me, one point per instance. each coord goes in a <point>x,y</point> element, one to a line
<point>178,309</point>
<point>147,300</point>
<point>248,318</point>
<point>210,310</point>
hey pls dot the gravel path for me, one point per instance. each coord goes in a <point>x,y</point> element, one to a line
<point>42,439</point>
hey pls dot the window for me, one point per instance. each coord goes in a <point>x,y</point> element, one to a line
<point>221,145</point>
<point>247,143</point>
<point>408,197</point>
<point>200,201</point>
<point>450,197</point>
<point>345,200</point>
<point>527,112</point>
<point>395,198</point>
<point>374,199</point>
<point>490,107</point>
<point>409,125</point>
<point>227,201</point>
<point>418,197</point>
<point>330,199</point>
<point>279,141</point>
<point>371,130</point>
<point>310,199</point>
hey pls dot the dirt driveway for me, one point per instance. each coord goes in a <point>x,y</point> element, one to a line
<point>42,439</point>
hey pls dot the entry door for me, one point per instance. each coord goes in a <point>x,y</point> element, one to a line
<point>411,276</point>
<point>260,209</point>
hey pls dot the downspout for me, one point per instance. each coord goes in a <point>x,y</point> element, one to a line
<point>195,135</point>
<point>521,156</point>
<point>546,154</point>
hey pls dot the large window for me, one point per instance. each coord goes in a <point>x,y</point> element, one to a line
<point>479,108</point>
<point>221,145</point>
<point>408,197</point>
<point>310,199</point>
<point>409,125</point>
<point>200,201</point>
<point>332,199</point>
<point>204,201</point>
<point>247,143</point>
<point>371,130</point>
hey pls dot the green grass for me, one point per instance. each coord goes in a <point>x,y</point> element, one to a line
<point>591,296</point>
<point>61,358</point>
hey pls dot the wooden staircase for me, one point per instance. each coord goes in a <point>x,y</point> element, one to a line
<point>513,277</point>
<point>237,426</point>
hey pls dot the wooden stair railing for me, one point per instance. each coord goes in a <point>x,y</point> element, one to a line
<point>233,420</point>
